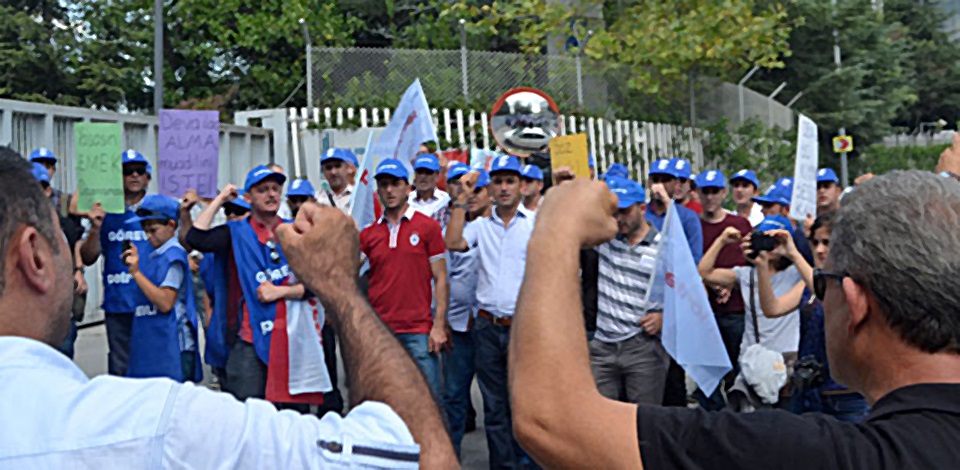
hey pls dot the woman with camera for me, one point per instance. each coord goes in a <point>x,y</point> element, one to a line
<point>813,390</point>
<point>768,340</point>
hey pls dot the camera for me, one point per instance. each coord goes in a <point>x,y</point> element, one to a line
<point>808,373</point>
<point>760,241</point>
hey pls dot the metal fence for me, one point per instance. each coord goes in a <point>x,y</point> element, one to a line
<point>369,77</point>
<point>26,126</point>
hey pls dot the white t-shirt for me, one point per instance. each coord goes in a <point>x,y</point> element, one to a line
<point>780,334</point>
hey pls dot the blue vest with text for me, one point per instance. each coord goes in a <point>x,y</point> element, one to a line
<point>213,271</point>
<point>155,335</point>
<point>255,266</point>
<point>120,292</point>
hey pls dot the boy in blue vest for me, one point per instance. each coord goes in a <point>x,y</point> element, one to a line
<point>163,338</point>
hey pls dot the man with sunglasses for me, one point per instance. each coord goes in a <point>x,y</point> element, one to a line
<point>727,304</point>
<point>335,166</point>
<point>107,235</point>
<point>892,334</point>
<point>241,327</point>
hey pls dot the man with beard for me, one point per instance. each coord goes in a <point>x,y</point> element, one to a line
<point>335,166</point>
<point>107,235</point>
<point>258,281</point>
<point>406,254</point>
<point>727,304</point>
<point>501,245</point>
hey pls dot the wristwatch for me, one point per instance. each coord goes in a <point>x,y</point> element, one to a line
<point>461,206</point>
<point>78,269</point>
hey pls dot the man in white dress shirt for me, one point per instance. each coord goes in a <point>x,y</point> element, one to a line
<point>55,417</point>
<point>427,199</point>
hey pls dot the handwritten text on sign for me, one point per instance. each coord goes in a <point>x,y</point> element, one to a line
<point>804,199</point>
<point>189,152</point>
<point>99,167</point>
<point>570,151</point>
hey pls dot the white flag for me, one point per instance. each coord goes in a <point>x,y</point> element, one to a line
<point>410,125</point>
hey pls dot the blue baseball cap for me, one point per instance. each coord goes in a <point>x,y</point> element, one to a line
<point>300,187</point>
<point>157,207</point>
<point>748,175</point>
<point>774,222</point>
<point>661,167</point>
<point>532,171</point>
<point>827,175</point>
<point>617,170</point>
<point>778,193</point>
<point>681,168</point>
<point>456,170</point>
<point>505,163</point>
<point>260,173</point>
<point>427,162</point>
<point>40,173</point>
<point>711,179</point>
<point>339,154</point>
<point>43,154</point>
<point>133,156</point>
<point>239,202</point>
<point>392,167</point>
<point>628,192</point>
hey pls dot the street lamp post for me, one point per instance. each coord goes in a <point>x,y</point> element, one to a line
<point>157,56</point>
<point>306,36</point>
<point>770,103</point>
<point>740,88</point>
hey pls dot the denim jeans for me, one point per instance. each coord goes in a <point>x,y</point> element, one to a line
<point>491,342</point>
<point>118,342</point>
<point>429,363</point>
<point>848,407</point>
<point>66,347</point>
<point>458,371</point>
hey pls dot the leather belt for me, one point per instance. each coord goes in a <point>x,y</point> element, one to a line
<point>505,321</point>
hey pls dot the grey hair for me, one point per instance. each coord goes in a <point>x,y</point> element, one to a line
<point>899,236</point>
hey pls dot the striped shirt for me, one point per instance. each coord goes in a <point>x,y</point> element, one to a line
<point>625,277</point>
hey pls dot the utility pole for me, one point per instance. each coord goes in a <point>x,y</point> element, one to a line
<point>157,56</point>
<point>844,172</point>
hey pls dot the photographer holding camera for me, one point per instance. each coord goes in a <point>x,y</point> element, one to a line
<point>768,342</point>
<point>812,388</point>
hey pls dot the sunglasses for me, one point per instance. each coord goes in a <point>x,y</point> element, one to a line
<point>274,254</point>
<point>658,179</point>
<point>234,211</point>
<point>134,170</point>
<point>820,278</point>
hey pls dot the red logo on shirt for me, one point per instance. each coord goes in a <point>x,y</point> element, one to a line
<point>670,280</point>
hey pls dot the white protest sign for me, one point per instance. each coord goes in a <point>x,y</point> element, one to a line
<point>804,200</point>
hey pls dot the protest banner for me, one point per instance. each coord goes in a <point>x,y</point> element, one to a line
<point>189,152</point>
<point>98,146</point>
<point>804,200</point>
<point>570,151</point>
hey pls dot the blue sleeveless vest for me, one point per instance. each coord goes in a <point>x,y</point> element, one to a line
<point>254,266</point>
<point>213,271</point>
<point>120,292</point>
<point>154,336</point>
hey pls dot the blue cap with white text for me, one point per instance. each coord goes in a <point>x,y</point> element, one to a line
<point>260,173</point>
<point>505,163</point>
<point>392,167</point>
<point>747,175</point>
<point>711,179</point>
<point>427,162</point>
<point>628,192</point>
<point>157,207</point>
<point>300,187</point>
<point>43,154</point>
<point>827,175</point>
<point>532,172</point>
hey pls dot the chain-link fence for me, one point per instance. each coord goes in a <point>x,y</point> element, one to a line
<point>367,77</point>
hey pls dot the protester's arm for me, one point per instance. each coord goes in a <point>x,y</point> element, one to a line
<point>694,232</point>
<point>592,431</point>
<point>458,215</point>
<point>771,305</point>
<point>709,271</point>
<point>321,246</point>
<point>205,219</point>
<point>90,248</point>
<point>269,292</point>
<point>163,297</point>
<point>438,333</point>
<point>186,220</point>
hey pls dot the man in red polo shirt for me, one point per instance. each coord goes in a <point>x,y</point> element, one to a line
<point>406,253</point>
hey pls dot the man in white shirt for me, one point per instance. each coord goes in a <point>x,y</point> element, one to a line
<point>427,200</point>
<point>54,417</point>
<point>335,166</point>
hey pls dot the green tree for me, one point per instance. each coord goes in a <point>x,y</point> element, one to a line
<point>35,40</point>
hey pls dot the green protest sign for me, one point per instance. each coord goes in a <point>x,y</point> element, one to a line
<point>99,169</point>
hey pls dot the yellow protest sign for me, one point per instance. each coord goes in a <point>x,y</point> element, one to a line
<point>570,151</point>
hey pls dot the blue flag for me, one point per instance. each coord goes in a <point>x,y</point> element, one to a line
<point>690,332</point>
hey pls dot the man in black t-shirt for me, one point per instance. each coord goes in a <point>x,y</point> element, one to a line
<point>890,290</point>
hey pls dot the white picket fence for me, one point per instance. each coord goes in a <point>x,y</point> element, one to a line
<point>633,143</point>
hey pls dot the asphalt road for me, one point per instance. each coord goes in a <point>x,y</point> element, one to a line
<point>91,356</point>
